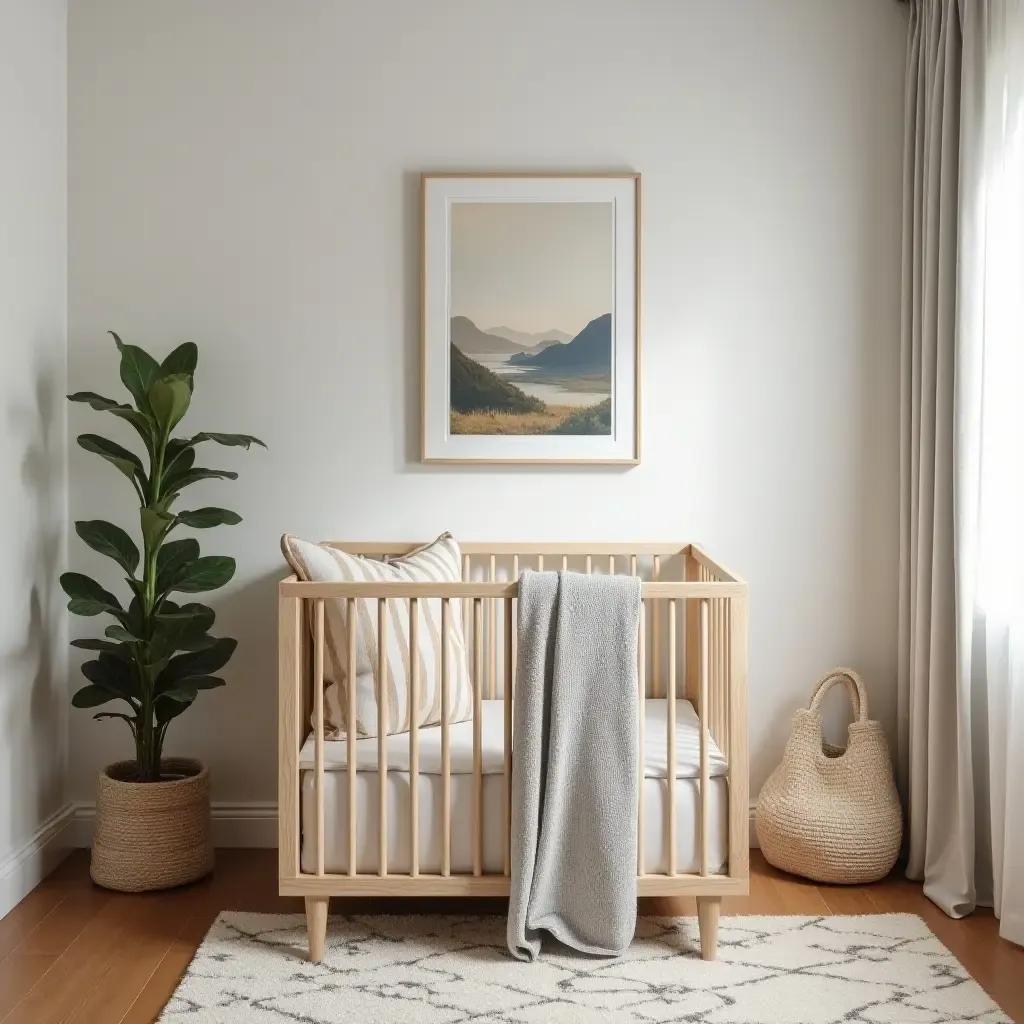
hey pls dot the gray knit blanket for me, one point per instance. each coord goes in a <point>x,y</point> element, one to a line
<point>574,764</point>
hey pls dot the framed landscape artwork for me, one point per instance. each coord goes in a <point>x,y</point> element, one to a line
<point>531,344</point>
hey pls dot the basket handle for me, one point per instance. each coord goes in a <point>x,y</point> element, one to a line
<point>854,687</point>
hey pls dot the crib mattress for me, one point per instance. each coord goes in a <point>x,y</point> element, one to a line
<point>655,797</point>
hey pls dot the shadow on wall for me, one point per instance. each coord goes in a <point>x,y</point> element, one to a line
<point>31,674</point>
<point>247,706</point>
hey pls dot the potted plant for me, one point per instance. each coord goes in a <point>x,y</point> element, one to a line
<point>153,814</point>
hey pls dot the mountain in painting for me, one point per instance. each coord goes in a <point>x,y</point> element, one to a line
<point>538,341</point>
<point>475,388</point>
<point>589,351</point>
<point>469,339</point>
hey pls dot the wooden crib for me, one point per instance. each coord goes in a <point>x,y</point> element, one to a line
<point>343,807</point>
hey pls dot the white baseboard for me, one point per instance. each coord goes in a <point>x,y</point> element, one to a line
<point>247,824</point>
<point>24,868</point>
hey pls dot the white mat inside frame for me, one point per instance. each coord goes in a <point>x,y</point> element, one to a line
<point>424,969</point>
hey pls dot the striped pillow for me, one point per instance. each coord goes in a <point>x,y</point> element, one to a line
<point>439,562</point>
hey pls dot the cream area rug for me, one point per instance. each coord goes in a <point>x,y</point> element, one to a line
<point>252,968</point>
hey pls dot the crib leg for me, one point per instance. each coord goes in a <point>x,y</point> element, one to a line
<point>316,925</point>
<point>708,909</point>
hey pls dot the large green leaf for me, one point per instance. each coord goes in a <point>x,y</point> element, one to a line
<point>180,631</point>
<point>143,425</point>
<point>207,573</point>
<point>113,674</point>
<point>204,518</point>
<point>182,360</point>
<point>196,663</point>
<point>206,682</point>
<point>87,596</point>
<point>169,399</point>
<point>231,440</point>
<point>182,480</point>
<point>88,643</point>
<point>168,709</point>
<point>177,466</point>
<point>138,372</point>
<point>172,558</point>
<point>132,620</point>
<point>121,635</point>
<point>109,540</point>
<point>182,693</point>
<point>201,615</point>
<point>92,697</point>
<point>179,457</point>
<point>155,524</point>
<point>127,462</point>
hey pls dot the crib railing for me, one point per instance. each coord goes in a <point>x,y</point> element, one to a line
<point>693,643</point>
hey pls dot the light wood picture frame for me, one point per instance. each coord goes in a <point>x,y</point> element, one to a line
<point>531,318</point>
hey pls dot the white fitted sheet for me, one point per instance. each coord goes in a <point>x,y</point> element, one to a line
<point>655,796</point>
<point>492,744</point>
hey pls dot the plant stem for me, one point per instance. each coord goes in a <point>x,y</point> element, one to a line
<point>148,742</point>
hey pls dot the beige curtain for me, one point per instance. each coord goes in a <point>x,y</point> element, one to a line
<point>961,671</point>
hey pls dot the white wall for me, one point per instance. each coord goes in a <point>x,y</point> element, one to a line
<point>244,174</point>
<point>33,487</point>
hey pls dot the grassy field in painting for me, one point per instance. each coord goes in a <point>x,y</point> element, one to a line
<point>554,419</point>
<point>491,421</point>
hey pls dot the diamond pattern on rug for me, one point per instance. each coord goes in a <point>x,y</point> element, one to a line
<point>425,969</point>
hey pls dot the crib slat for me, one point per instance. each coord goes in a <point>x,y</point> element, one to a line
<point>382,732</point>
<point>446,748</point>
<point>726,738</point>
<point>723,670</point>
<point>671,691</point>
<point>565,563</point>
<point>702,710</point>
<point>515,653</point>
<point>508,735</point>
<point>611,565</point>
<point>477,737</point>
<point>739,853</point>
<point>350,735</point>
<point>716,665</point>
<point>540,563</point>
<point>318,712</point>
<point>492,635</point>
<point>590,564</point>
<point>467,577</point>
<point>414,735</point>
<point>632,565</point>
<point>655,651</point>
<point>641,685</point>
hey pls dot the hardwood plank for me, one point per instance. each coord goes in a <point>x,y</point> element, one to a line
<point>23,919</point>
<point>139,953</point>
<point>799,897</point>
<point>65,923</point>
<point>71,873</point>
<point>19,972</point>
<point>854,899</point>
<point>161,984</point>
<point>114,931</point>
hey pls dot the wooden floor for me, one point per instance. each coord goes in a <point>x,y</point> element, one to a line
<point>73,952</point>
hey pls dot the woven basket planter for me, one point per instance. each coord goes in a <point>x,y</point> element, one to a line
<point>152,835</point>
<point>831,813</point>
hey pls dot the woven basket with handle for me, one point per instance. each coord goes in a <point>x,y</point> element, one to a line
<point>832,813</point>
